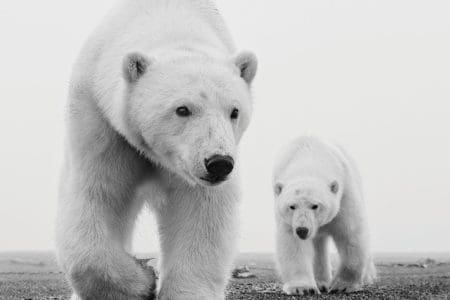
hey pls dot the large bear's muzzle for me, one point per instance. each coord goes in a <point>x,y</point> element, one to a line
<point>218,168</point>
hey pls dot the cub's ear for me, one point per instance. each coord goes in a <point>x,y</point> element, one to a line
<point>134,66</point>
<point>278,188</point>
<point>334,187</point>
<point>247,65</point>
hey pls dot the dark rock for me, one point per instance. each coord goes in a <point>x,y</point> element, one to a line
<point>242,272</point>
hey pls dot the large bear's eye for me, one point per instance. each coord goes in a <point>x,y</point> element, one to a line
<point>234,114</point>
<point>183,111</point>
<point>293,207</point>
<point>314,207</point>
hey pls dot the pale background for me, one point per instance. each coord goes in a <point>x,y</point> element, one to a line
<point>374,75</point>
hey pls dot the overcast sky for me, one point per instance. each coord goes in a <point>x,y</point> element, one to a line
<point>374,75</point>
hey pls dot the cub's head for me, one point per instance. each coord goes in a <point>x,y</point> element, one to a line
<point>189,114</point>
<point>307,204</point>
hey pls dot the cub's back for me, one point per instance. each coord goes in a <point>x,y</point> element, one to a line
<point>308,156</point>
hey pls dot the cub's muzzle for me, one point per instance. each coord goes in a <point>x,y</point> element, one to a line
<point>302,232</point>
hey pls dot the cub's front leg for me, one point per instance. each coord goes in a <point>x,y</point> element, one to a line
<point>355,260</point>
<point>295,259</point>
<point>322,265</point>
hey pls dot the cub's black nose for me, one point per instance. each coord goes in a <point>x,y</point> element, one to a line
<point>302,232</point>
<point>219,166</point>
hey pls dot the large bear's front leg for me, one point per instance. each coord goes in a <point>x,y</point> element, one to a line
<point>198,230</point>
<point>91,240</point>
<point>96,214</point>
<point>295,259</point>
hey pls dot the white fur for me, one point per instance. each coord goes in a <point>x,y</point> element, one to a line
<point>303,178</point>
<point>126,146</point>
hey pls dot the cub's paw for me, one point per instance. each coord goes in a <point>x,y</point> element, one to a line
<point>341,286</point>
<point>370,274</point>
<point>323,286</point>
<point>300,288</point>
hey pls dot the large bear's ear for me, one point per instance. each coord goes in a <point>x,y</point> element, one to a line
<point>134,66</point>
<point>247,65</point>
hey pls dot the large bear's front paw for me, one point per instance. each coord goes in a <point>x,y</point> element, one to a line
<point>151,275</point>
<point>117,276</point>
<point>151,292</point>
<point>300,288</point>
<point>342,286</point>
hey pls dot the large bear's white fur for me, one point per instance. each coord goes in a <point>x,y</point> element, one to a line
<point>317,186</point>
<point>126,145</point>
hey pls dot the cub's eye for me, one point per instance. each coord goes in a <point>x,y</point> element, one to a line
<point>334,187</point>
<point>183,111</point>
<point>292,207</point>
<point>234,114</point>
<point>314,207</point>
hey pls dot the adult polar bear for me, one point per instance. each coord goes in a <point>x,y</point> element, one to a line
<point>158,100</point>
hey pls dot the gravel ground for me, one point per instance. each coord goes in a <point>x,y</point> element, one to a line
<point>35,276</point>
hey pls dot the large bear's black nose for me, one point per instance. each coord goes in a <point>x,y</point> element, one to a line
<point>302,232</point>
<point>219,166</point>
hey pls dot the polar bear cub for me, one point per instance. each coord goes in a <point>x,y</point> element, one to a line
<point>318,196</point>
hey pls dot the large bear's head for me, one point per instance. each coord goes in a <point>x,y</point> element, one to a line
<point>190,114</point>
